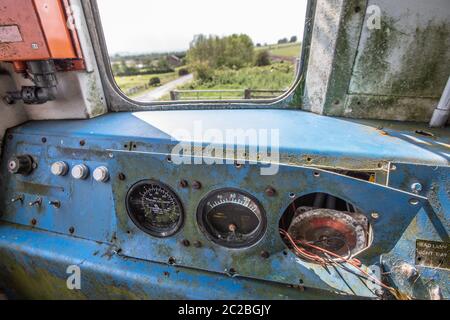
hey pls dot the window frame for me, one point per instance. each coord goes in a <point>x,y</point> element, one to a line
<point>118,101</point>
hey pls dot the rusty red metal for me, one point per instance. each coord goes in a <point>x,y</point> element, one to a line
<point>38,30</point>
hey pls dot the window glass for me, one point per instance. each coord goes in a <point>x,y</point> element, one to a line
<point>203,49</point>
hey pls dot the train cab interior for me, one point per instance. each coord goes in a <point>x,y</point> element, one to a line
<point>337,188</point>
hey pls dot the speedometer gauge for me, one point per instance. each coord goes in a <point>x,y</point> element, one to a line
<point>154,208</point>
<point>232,218</point>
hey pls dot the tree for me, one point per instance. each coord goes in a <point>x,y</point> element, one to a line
<point>212,52</point>
<point>282,41</point>
<point>154,81</point>
<point>183,72</point>
<point>293,39</point>
<point>262,58</point>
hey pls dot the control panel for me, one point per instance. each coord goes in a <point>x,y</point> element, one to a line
<point>305,226</point>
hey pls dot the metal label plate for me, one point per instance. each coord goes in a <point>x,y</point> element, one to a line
<point>433,254</point>
<point>10,34</point>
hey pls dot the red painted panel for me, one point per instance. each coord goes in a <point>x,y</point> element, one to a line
<point>22,14</point>
<point>54,24</point>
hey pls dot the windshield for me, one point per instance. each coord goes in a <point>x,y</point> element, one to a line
<point>203,49</point>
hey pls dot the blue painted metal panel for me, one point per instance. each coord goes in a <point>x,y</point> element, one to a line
<point>300,132</point>
<point>33,265</point>
<point>137,143</point>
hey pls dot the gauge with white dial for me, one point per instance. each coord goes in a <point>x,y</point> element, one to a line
<point>232,218</point>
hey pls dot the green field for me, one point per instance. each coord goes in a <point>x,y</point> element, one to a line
<point>283,50</point>
<point>278,76</point>
<point>128,82</point>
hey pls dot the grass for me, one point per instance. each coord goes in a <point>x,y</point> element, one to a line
<point>128,82</point>
<point>283,50</point>
<point>278,76</point>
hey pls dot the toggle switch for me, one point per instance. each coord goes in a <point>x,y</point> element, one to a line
<point>37,202</point>
<point>55,203</point>
<point>20,198</point>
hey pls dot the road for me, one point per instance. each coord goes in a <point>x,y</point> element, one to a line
<point>161,91</point>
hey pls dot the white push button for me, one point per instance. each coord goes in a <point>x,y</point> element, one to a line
<point>59,168</point>
<point>101,174</point>
<point>80,172</point>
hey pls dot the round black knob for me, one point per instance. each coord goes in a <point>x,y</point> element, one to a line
<point>22,164</point>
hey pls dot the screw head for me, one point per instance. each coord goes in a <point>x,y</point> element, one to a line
<point>121,176</point>
<point>416,187</point>
<point>375,215</point>
<point>186,243</point>
<point>71,230</point>
<point>265,254</point>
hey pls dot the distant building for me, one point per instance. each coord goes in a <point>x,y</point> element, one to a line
<point>174,61</point>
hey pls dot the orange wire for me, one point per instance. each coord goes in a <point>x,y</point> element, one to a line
<point>354,262</point>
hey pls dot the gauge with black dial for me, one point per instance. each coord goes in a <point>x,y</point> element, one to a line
<point>232,218</point>
<point>154,208</point>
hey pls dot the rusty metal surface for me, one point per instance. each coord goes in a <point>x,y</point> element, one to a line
<point>22,14</point>
<point>36,30</point>
<point>33,265</point>
<point>135,147</point>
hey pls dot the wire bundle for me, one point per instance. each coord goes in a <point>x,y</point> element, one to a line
<point>329,258</point>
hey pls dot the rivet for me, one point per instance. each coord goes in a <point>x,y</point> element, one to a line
<point>197,244</point>
<point>265,254</point>
<point>121,176</point>
<point>71,230</point>
<point>196,185</point>
<point>270,192</point>
<point>183,184</point>
<point>82,142</point>
<point>186,243</point>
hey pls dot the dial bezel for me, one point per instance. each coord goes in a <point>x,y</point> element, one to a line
<point>259,232</point>
<point>157,232</point>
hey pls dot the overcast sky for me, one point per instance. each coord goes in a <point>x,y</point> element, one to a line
<point>138,26</point>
